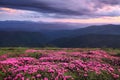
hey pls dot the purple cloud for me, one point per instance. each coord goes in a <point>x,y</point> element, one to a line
<point>91,8</point>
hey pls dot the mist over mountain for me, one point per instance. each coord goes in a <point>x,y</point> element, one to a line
<point>99,29</point>
<point>31,34</point>
<point>37,26</point>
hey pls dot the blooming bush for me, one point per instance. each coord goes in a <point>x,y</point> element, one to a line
<point>60,65</point>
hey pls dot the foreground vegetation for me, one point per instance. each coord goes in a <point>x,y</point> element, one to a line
<point>59,64</point>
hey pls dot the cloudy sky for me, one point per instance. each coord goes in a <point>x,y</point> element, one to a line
<point>62,11</point>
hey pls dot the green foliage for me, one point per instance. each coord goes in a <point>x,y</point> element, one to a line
<point>51,48</point>
<point>112,51</point>
<point>35,55</point>
<point>2,75</point>
<point>12,49</point>
<point>74,74</point>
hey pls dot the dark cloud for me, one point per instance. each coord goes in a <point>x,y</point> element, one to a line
<point>65,7</point>
<point>39,5</point>
<point>110,2</point>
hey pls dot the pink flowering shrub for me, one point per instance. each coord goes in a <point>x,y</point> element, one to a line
<point>60,65</point>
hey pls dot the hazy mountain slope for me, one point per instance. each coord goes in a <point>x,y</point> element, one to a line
<point>92,40</point>
<point>101,29</point>
<point>28,34</point>
<point>20,38</point>
<point>35,26</point>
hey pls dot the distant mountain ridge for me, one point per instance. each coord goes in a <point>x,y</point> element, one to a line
<point>101,29</point>
<point>34,34</point>
<point>34,26</point>
<point>92,36</point>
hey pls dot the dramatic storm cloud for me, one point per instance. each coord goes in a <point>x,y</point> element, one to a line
<point>79,11</point>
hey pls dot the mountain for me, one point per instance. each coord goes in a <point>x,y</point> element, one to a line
<point>32,34</point>
<point>98,29</point>
<point>109,29</point>
<point>21,38</point>
<point>92,36</point>
<point>36,26</point>
<point>90,40</point>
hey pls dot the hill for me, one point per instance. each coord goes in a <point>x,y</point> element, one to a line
<point>91,40</point>
<point>21,38</point>
<point>31,34</point>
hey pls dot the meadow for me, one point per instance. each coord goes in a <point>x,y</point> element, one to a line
<point>59,63</point>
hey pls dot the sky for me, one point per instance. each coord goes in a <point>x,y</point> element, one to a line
<point>61,11</point>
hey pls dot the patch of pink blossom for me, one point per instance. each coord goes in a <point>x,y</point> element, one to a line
<point>53,65</point>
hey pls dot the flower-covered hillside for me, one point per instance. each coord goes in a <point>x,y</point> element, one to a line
<point>61,64</point>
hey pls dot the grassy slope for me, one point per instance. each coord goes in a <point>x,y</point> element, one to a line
<point>20,50</point>
<point>16,51</point>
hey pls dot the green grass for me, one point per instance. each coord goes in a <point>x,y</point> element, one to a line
<point>112,51</point>
<point>13,50</point>
<point>20,50</point>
